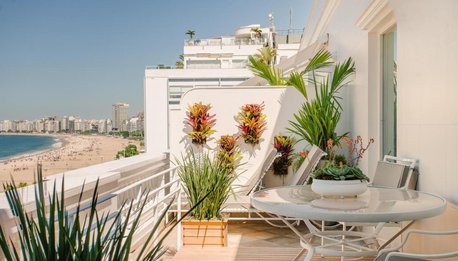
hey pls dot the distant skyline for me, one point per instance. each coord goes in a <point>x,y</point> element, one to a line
<point>80,57</point>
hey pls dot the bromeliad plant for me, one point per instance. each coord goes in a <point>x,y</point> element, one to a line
<point>344,169</point>
<point>51,232</point>
<point>252,122</point>
<point>284,146</point>
<point>201,122</point>
<point>228,153</point>
<point>202,175</point>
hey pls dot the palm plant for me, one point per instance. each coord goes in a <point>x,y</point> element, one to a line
<point>51,232</point>
<point>257,32</point>
<point>317,119</point>
<point>191,34</point>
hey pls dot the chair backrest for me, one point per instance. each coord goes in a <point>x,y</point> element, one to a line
<point>309,164</point>
<point>265,167</point>
<point>396,172</point>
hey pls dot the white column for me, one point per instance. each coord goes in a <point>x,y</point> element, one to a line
<point>156,115</point>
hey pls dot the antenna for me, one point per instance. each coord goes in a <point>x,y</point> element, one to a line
<point>290,20</point>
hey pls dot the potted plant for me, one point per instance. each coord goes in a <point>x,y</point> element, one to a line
<point>284,146</point>
<point>201,175</point>
<point>201,122</point>
<point>252,122</point>
<point>342,177</point>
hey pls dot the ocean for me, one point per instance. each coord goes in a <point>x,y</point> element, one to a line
<point>16,145</point>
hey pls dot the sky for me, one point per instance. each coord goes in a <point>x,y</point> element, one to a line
<point>64,57</point>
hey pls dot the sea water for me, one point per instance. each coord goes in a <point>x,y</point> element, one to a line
<point>17,145</point>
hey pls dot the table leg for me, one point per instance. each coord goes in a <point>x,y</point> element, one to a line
<point>396,235</point>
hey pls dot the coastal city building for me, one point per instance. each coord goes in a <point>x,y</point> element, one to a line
<point>120,114</point>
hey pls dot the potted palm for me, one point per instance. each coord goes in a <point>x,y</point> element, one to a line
<point>341,177</point>
<point>202,175</point>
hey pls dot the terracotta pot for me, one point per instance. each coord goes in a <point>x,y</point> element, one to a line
<point>204,232</point>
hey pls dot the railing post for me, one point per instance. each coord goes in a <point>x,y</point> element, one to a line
<point>179,226</point>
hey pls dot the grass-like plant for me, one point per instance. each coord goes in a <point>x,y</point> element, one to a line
<point>51,232</point>
<point>284,146</point>
<point>228,153</point>
<point>252,122</point>
<point>201,122</point>
<point>202,175</point>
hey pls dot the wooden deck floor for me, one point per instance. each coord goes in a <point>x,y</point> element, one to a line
<point>248,241</point>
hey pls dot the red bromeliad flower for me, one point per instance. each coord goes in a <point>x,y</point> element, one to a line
<point>252,122</point>
<point>201,122</point>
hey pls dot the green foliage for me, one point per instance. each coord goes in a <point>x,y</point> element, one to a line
<point>340,159</point>
<point>129,151</point>
<point>343,172</point>
<point>259,68</point>
<point>201,122</point>
<point>201,176</point>
<point>50,232</point>
<point>191,34</point>
<point>317,119</point>
<point>252,122</point>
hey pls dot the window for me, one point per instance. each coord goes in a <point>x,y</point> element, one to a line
<point>389,92</point>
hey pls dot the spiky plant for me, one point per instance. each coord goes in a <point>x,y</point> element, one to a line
<point>201,175</point>
<point>201,122</point>
<point>252,122</point>
<point>51,232</point>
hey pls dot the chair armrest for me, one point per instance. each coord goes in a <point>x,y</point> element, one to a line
<point>422,256</point>
<point>418,231</point>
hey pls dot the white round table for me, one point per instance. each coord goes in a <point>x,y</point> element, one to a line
<point>376,205</point>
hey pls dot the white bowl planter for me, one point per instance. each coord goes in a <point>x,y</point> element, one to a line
<point>339,187</point>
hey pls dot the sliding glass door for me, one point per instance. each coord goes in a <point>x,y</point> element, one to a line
<point>389,92</point>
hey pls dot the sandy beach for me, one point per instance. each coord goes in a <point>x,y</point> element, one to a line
<point>75,152</point>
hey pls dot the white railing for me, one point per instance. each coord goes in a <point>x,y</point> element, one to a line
<point>159,189</point>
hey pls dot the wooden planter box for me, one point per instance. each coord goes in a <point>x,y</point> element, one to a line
<point>204,232</point>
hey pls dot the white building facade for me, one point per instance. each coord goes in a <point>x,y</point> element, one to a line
<point>220,61</point>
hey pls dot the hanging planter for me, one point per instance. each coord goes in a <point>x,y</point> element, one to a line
<point>252,122</point>
<point>284,146</point>
<point>201,122</point>
<point>228,153</point>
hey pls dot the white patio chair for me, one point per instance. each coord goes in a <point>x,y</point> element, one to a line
<point>396,172</point>
<point>393,254</point>
<point>391,172</point>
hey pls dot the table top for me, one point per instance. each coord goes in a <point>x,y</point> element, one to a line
<point>375,205</point>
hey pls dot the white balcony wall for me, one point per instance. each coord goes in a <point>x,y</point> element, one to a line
<point>428,93</point>
<point>280,104</point>
<point>427,56</point>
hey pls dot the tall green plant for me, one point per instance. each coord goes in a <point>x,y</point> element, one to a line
<point>202,175</point>
<point>50,232</point>
<point>317,119</point>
